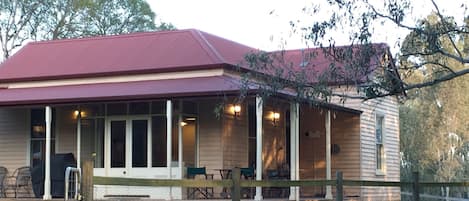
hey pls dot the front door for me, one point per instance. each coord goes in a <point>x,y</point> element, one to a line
<point>128,147</point>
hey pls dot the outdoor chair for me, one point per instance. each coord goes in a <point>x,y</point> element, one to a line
<point>276,192</point>
<point>3,175</point>
<point>247,174</point>
<point>21,179</point>
<point>199,173</point>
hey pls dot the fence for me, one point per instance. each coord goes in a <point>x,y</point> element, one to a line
<point>236,184</point>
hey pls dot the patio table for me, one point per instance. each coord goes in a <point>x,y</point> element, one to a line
<point>225,174</point>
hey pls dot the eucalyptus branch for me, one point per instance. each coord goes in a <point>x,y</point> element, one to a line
<point>445,24</point>
<point>417,66</point>
<point>435,81</point>
<point>399,24</point>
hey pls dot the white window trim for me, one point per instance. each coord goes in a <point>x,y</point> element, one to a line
<point>381,172</point>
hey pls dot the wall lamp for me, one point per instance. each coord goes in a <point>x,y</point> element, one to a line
<point>80,113</point>
<point>236,110</point>
<point>275,117</point>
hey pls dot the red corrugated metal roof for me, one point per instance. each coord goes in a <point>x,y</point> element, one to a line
<point>123,54</point>
<point>217,85</point>
<point>316,62</point>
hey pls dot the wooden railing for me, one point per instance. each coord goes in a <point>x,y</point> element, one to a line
<point>236,184</point>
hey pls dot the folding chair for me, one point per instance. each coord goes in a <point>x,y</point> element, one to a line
<point>3,175</point>
<point>193,192</point>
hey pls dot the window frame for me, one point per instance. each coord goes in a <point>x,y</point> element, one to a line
<point>380,158</point>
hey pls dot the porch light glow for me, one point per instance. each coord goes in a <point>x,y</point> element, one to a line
<point>183,123</point>
<point>38,129</point>
<point>275,117</point>
<point>236,110</point>
<point>78,112</point>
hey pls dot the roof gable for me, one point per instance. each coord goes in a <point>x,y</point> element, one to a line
<point>361,63</point>
<point>132,53</point>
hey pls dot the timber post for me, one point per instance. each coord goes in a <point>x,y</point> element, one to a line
<point>236,188</point>
<point>339,186</point>
<point>415,187</point>
<point>87,180</point>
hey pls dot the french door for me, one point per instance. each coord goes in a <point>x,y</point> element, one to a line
<point>128,146</point>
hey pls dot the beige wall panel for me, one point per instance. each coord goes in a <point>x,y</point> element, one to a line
<point>235,137</point>
<point>14,138</point>
<point>210,132</point>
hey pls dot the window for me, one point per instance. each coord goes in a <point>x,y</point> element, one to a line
<point>38,136</point>
<point>158,141</point>
<point>252,135</point>
<point>379,126</point>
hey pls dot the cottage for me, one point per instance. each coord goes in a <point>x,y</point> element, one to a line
<point>142,106</point>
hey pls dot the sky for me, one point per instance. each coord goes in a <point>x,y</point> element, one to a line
<point>264,24</point>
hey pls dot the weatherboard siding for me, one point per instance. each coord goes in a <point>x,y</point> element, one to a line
<point>389,108</point>
<point>345,132</point>
<point>210,133</point>
<point>14,138</point>
<point>235,138</point>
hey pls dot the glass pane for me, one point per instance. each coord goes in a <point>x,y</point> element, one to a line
<point>38,123</point>
<point>252,121</point>
<point>92,110</point>
<point>117,109</point>
<point>87,138</point>
<point>175,140</point>
<point>158,107</point>
<point>189,107</point>
<point>379,156</point>
<point>158,141</point>
<point>139,108</point>
<point>139,143</point>
<point>99,144</point>
<point>252,152</point>
<point>252,135</point>
<point>379,129</point>
<point>117,143</point>
<point>189,136</point>
<point>36,152</point>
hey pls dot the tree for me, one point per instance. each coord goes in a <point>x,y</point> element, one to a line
<point>434,129</point>
<point>360,19</point>
<point>16,18</point>
<point>104,17</point>
<point>22,20</point>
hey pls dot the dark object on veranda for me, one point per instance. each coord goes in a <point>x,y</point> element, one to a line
<point>58,165</point>
<point>192,192</point>
<point>21,179</point>
<point>3,176</point>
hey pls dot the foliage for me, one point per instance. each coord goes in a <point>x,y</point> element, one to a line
<point>16,18</point>
<point>23,20</point>
<point>359,20</point>
<point>434,129</point>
